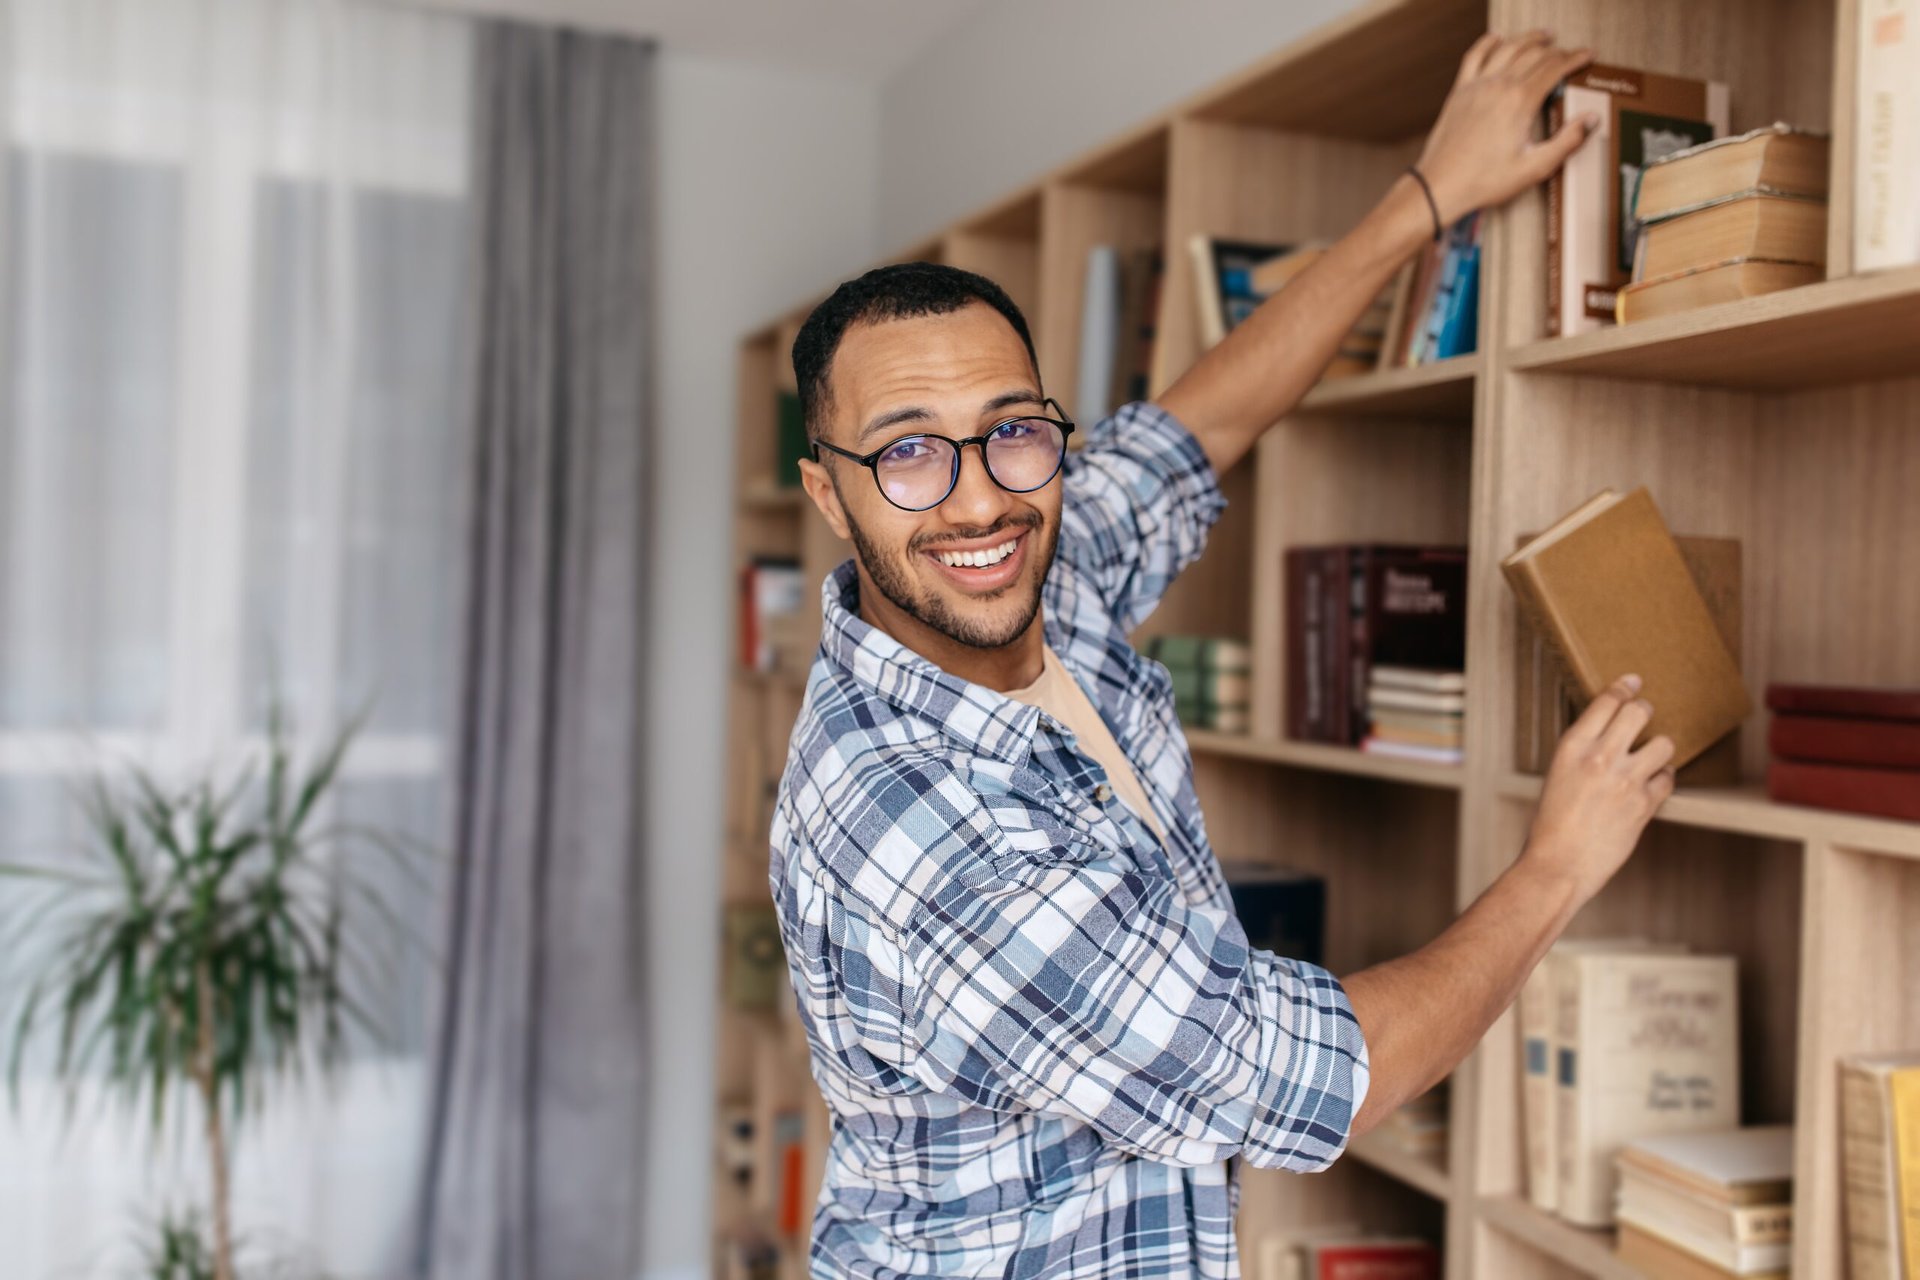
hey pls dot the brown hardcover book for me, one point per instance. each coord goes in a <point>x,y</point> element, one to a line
<point>1548,699</point>
<point>1610,591</point>
<point>1751,225</point>
<point>1885,793</point>
<point>1704,286</point>
<point>1590,227</point>
<point>1658,1260</point>
<point>1886,744</point>
<point>1308,718</point>
<point>1845,700</point>
<point>1778,158</point>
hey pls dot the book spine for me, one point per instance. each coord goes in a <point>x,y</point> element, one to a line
<point>1886,230</point>
<point>1763,1224</point>
<point>1886,793</point>
<point>1303,642</point>
<point>1569,1135</point>
<point>1866,1172</point>
<point>1835,700</point>
<point>1556,202</point>
<point>1210,304</point>
<point>1360,632</point>
<point>1842,740</point>
<point>1536,1097</point>
<point>1903,1087</point>
<point>1336,584</point>
<point>1099,333</point>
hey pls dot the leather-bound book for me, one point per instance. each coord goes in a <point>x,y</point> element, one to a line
<point>1886,793</point>
<point>1884,744</point>
<point>1608,588</point>
<point>1844,700</point>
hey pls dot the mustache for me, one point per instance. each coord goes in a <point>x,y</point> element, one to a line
<point>1025,520</point>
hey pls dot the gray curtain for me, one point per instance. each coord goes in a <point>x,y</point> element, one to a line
<point>533,1164</point>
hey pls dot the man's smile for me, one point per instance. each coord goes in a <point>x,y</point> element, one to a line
<point>982,565</point>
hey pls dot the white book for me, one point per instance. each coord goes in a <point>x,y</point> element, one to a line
<point>1418,678</point>
<point>1412,751</point>
<point>1099,333</point>
<point>1886,171</point>
<point>1415,699</point>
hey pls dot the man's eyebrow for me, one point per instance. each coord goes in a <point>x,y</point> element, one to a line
<point>918,413</point>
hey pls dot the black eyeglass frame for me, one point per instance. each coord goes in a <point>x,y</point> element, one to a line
<point>871,461</point>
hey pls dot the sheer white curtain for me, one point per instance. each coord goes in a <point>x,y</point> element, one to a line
<point>232,259</point>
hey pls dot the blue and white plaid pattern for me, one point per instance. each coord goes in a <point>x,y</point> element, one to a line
<point>1040,1033</point>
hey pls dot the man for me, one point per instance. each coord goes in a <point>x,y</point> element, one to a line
<point>1038,1025</point>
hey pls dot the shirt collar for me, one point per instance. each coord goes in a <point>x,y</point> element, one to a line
<point>973,717</point>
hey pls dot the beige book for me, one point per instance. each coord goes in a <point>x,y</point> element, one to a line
<point>1886,199</point>
<point>1710,285</point>
<point>1778,158</point>
<point>1870,1166</point>
<point>1751,225</point>
<point>1537,1052</point>
<point>1651,1045</point>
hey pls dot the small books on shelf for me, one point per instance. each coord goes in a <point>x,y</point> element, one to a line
<point>772,617</point>
<point>1212,678</point>
<point>1119,308</point>
<point>1360,350</point>
<point>1886,199</point>
<point>1610,592</point>
<point>1282,910</point>
<point>1590,227</point>
<point>1342,1252</point>
<point>1721,1200</point>
<point>1352,608</point>
<point>1441,317</point>
<point>1645,1042</point>
<point>1853,749</point>
<point>1880,1165</point>
<point>1547,699</point>
<point>1415,714</point>
<point>1420,1127</point>
<point>1776,160</point>
<point>1223,282</point>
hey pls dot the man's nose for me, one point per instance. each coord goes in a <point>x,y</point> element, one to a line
<point>976,499</point>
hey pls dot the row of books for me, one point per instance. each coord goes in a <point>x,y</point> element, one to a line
<point>1707,1205</point>
<point>1212,679</point>
<point>1357,609</point>
<point>1724,217</point>
<point>774,631</point>
<point>1856,749</point>
<point>1880,1165</point>
<point>1119,310</point>
<point>1621,1039</point>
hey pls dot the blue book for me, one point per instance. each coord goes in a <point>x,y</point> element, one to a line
<point>1460,330</point>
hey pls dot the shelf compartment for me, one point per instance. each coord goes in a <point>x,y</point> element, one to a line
<point>1324,758</point>
<point>1853,329</point>
<point>1745,810</point>
<point>1348,1192</point>
<point>1075,217</point>
<point>1443,389</point>
<point>1425,1174</point>
<point>1585,1251</point>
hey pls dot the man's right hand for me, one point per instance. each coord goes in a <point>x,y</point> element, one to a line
<point>1600,793</point>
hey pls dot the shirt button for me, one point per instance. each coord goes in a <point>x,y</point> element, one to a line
<point>1103,793</point>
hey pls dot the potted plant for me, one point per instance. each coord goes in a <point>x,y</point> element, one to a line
<point>196,945</point>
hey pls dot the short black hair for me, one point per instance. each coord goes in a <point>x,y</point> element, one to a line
<point>898,292</point>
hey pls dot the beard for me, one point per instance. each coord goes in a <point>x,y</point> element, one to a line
<point>893,576</point>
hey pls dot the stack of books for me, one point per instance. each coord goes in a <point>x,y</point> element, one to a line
<point>1729,219</point>
<point>1590,229</point>
<point>1360,350</point>
<point>1212,679</point>
<point>1415,714</point>
<point>1353,608</point>
<point>1855,749</point>
<point>1343,1252</point>
<point>1880,1165</point>
<point>1622,1040</point>
<point>1702,1206</point>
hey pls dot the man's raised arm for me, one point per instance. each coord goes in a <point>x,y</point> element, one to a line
<point>1480,153</point>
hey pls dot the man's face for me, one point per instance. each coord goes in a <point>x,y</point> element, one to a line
<point>955,375</point>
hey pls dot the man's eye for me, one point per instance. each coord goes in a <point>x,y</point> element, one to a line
<point>1018,429</point>
<point>906,451</point>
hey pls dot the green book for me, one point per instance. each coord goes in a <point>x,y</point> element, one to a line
<point>792,441</point>
<point>1200,653</point>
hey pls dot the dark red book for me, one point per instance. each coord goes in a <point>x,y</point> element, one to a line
<point>1886,793</point>
<point>1408,609</point>
<point>1887,744</point>
<point>1385,1260</point>
<point>1843,700</point>
<point>1307,712</point>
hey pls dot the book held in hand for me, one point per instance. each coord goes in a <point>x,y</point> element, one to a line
<point>1609,590</point>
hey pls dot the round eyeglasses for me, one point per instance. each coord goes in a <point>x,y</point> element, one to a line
<point>917,472</point>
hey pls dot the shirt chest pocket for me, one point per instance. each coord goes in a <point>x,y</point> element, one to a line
<point>1048,824</point>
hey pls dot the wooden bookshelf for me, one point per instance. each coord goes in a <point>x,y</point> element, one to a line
<point>1791,422</point>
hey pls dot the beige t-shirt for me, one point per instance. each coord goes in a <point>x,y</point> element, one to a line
<point>1058,694</point>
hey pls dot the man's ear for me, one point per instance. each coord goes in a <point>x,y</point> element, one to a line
<point>820,488</point>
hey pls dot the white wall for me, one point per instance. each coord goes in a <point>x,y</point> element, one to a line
<point>1024,85</point>
<point>767,192</point>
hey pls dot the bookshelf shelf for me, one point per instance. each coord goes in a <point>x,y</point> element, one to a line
<point>1840,331</point>
<point>1327,759</point>
<point>1588,1252</point>
<point>1746,810</point>
<point>1443,389</point>
<point>1425,1174</point>
<point>1790,422</point>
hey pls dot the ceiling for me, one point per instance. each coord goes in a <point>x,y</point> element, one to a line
<point>858,40</point>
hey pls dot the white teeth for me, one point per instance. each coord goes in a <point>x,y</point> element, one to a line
<point>978,559</point>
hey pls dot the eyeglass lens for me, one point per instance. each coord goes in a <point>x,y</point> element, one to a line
<point>919,471</point>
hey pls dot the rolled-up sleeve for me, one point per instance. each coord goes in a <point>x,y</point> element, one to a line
<point>1099,993</point>
<point>1138,502</point>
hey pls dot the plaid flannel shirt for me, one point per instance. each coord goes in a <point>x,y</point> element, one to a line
<point>1040,1033</point>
